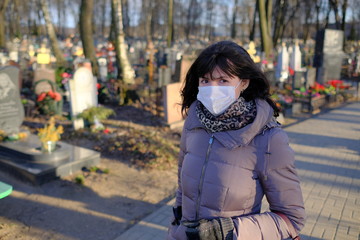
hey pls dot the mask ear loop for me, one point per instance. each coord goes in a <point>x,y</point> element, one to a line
<point>238,86</point>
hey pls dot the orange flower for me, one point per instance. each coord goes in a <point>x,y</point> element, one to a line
<point>51,94</point>
<point>57,96</point>
<point>41,97</point>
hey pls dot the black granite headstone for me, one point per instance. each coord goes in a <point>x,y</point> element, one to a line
<point>328,54</point>
<point>11,108</point>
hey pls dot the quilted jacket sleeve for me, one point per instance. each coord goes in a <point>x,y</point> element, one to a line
<point>180,161</point>
<point>282,189</point>
<point>178,201</point>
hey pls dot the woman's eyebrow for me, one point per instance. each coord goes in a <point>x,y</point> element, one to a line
<point>220,77</point>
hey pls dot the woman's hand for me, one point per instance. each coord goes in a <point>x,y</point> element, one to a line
<point>215,229</point>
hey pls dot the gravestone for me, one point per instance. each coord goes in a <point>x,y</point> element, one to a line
<point>282,67</point>
<point>11,108</point>
<point>3,58</point>
<point>24,158</point>
<point>310,77</point>
<point>182,67</point>
<point>171,100</point>
<point>172,59</point>
<point>103,69</point>
<point>164,76</point>
<point>43,73</point>
<point>14,56</point>
<point>83,94</point>
<point>328,54</point>
<point>295,58</point>
<point>298,79</point>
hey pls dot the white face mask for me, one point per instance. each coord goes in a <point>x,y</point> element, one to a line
<point>217,99</point>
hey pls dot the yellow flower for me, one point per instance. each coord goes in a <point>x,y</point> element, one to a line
<point>50,132</point>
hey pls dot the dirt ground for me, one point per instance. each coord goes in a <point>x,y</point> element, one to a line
<point>136,182</point>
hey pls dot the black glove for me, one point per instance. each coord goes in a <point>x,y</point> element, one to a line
<point>215,229</point>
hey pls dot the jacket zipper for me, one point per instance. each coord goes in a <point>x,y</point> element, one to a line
<point>211,140</point>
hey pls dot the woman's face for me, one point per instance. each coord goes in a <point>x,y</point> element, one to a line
<point>219,78</point>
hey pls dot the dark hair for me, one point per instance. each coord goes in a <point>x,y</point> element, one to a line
<point>232,60</point>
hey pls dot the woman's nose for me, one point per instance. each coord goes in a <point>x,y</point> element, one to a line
<point>213,83</point>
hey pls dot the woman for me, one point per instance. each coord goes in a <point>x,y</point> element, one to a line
<point>232,153</point>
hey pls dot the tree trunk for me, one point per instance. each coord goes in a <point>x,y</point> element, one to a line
<point>86,33</point>
<point>306,28</point>
<point>170,32</point>
<point>266,41</point>
<point>60,60</point>
<point>290,18</point>
<point>343,22</point>
<point>269,11</point>
<point>103,17</point>
<point>3,6</point>
<point>148,22</point>
<point>208,24</point>
<point>126,18</point>
<point>327,16</point>
<point>317,7</point>
<point>120,46</point>
<point>233,25</point>
<point>280,11</point>
<point>252,32</point>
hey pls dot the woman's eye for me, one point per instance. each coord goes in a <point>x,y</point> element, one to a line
<point>223,80</point>
<point>204,81</point>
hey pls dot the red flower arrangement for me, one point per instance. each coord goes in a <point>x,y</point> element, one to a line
<point>338,84</point>
<point>50,94</point>
<point>49,103</point>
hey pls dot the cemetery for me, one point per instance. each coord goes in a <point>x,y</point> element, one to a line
<point>56,126</point>
<point>97,109</point>
<point>76,132</point>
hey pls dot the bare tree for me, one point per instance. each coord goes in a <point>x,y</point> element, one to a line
<point>86,33</point>
<point>265,13</point>
<point>147,9</point>
<point>234,15</point>
<point>170,24</point>
<point>308,10</point>
<point>120,46</point>
<point>60,60</point>
<point>3,6</point>
<point>343,10</point>
<point>253,28</point>
<point>193,14</point>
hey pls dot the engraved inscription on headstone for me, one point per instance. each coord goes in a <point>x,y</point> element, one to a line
<point>11,108</point>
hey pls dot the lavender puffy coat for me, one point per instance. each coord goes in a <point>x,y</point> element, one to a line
<point>226,174</point>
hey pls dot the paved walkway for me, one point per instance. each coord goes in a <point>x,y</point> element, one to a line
<point>327,150</point>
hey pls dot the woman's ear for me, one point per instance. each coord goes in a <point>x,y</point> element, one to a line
<point>244,84</point>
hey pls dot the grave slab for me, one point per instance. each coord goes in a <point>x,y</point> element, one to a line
<point>24,160</point>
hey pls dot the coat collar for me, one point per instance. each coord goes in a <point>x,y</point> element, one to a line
<point>241,137</point>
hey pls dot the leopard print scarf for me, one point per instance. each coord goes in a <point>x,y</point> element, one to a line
<point>238,115</point>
